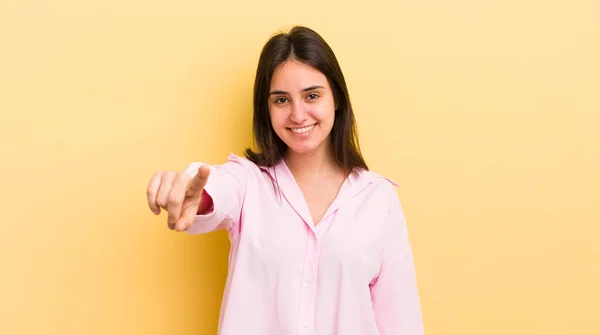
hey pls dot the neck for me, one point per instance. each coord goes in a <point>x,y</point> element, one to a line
<point>316,164</point>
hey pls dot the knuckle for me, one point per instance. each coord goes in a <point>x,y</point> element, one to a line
<point>173,199</point>
<point>161,202</point>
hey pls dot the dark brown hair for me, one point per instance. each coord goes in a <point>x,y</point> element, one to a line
<point>304,45</point>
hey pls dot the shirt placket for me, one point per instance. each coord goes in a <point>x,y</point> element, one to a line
<point>308,291</point>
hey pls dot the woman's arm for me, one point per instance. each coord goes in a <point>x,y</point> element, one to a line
<point>394,292</point>
<point>222,196</point>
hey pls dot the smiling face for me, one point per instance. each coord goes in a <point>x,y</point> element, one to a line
<point>301,107</point>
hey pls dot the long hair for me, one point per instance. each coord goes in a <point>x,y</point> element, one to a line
<point>304,45</point>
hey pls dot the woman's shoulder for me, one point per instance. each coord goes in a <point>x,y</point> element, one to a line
<point>234,158</point>
<point>233,164</point>
<point>379,180</point>
<point>375,183</point>
<point>384,190</point>
<point>241,163</point>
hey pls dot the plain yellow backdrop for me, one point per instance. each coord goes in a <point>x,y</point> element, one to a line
<point>487,112</point>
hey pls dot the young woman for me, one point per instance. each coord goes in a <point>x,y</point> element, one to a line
<point>319,244</point>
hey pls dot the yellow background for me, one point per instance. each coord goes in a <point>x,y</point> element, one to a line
<point>487,112</point>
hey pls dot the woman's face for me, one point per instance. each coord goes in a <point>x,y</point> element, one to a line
<point>301,107</point>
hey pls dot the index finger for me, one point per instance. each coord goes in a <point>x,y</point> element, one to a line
<point>199,181</point>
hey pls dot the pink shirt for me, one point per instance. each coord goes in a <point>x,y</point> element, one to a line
<point>351,274</point>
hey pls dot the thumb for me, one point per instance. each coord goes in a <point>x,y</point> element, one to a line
<point>197,183</point>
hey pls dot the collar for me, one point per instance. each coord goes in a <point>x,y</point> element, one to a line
<point>284,180</point>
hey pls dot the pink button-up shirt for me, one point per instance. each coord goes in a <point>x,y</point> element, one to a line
<point>351,274</point>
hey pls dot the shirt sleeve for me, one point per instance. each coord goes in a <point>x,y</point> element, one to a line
<point>226,186</point>
<point>394,292</point>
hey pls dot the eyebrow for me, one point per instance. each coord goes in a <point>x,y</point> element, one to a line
<point>304,90</point>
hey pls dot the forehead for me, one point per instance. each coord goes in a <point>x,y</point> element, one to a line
<point>293,74</point>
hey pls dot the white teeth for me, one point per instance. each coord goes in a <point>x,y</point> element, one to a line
<point>302,130</point>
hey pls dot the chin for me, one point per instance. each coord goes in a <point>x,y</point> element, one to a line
<point>302,149</point>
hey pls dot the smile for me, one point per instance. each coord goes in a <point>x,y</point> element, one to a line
<point>303,129</point>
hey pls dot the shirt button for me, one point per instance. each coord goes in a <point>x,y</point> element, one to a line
<point>305,323</point>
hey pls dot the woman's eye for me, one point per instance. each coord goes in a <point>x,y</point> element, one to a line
<point>313,96</point>
<point>280,100</point>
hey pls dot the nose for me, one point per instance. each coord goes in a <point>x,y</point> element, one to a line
<point>299,113</point>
